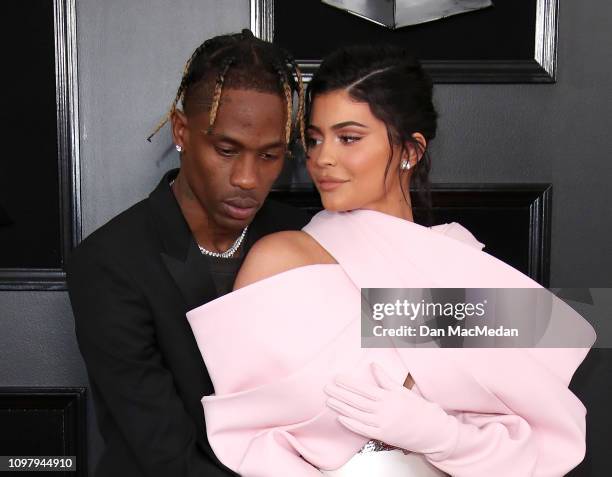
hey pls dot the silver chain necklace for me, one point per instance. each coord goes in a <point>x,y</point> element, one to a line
<point>229,253</point>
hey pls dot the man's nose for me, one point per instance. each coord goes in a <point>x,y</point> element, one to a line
<point>244,172</point>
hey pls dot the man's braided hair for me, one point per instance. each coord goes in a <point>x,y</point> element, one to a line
<point>239,61</point>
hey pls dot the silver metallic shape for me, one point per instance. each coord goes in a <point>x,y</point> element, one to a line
<point>400,13</point>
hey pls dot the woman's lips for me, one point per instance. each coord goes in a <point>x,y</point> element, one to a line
<point>240,209</point>
<point>330,184</point>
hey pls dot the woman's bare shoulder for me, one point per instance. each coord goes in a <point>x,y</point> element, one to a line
<point>279,252</point>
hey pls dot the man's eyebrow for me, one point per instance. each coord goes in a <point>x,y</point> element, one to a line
<point>273,145</point>
<point>237,143</point>
<point>224,138</point>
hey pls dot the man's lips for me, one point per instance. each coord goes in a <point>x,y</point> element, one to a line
<point>240,208</point>
<point>242,202</point>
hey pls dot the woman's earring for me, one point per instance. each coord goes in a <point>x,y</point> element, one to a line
<point>405,165</point>
<point>179,148</point>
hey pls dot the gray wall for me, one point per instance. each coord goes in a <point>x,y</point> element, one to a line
<point>131,56</point>
<point>546,133</point>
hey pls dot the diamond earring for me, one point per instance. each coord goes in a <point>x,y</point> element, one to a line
<point>179,148</point>
<point>405,165</point>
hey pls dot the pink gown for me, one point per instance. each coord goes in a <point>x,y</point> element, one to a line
<point>272,346</point>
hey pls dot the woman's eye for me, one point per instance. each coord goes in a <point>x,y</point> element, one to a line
<point>349,139</point>
<point>312,142</point>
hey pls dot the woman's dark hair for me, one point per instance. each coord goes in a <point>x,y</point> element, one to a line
<point>238,61</point>
<point>399,93</point>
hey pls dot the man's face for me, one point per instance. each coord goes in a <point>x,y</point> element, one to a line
<point>231,169</point>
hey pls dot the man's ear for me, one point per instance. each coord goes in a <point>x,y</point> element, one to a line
<point>414,152</point>
<point>180,132</point>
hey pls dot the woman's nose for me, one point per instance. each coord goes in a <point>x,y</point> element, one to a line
<point>326,155</point>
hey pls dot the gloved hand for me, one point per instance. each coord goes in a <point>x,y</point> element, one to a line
<point>393,414</point>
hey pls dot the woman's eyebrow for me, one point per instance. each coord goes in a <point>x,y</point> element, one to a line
<point>337,126</point>
<point>346,124</point>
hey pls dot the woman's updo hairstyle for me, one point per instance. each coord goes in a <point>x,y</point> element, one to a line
<point>399,93</point>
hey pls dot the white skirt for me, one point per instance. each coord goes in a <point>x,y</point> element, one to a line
<point>387,463</point>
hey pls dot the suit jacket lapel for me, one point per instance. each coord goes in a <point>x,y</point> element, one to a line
<point>192,277</point>
<point>180,254</point>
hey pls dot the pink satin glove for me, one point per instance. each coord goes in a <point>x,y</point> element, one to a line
<point>393,414</point>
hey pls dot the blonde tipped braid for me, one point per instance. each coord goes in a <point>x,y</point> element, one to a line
<point>289,98</point>
<point>179,93</point>
<point>165,119</point>
<point>217,46</point>
<point>217,94</point>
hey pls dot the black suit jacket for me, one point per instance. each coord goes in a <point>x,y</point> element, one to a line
<point>131,283</point>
